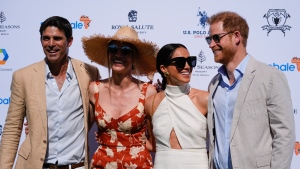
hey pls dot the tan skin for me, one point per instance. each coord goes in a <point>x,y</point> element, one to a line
<point>176,78</point>
<point>123,94</point>
<point>55,46</point>
<point>230,42</point>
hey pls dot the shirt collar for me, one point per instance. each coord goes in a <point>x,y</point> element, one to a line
<point>69,75</point>
<point>239,70</point>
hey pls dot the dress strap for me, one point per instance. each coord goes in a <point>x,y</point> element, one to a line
<point>97,83</point>
<point>144,89</point>
<point>153,104</point>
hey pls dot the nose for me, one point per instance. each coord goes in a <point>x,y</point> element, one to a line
<point>212,44</point>
<point>119,53</point>
<point>187,66</point>
<point>51,42</point>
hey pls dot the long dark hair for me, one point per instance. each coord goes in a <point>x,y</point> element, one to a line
<point>164,55</point>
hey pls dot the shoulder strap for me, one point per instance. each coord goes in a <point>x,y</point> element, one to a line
<point>153,103</point>
<point>144,89</point>
<point>97,83</point>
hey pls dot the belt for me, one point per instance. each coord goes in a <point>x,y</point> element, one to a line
<point>55,166</point>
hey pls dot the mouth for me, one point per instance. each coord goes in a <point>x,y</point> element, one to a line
<point>216,50</point>
<point>53,51</point>
<point>186,72</point>
<point>117,61</point>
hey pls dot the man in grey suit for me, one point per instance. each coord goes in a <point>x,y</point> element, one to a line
<point>53,96</point>
<point>250,115</point>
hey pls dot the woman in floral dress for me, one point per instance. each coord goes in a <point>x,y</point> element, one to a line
<point>119,100</point>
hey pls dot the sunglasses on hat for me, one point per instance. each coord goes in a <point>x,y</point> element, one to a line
<point>180,62</point>
<point>216,37</point>
<point>125,50</point>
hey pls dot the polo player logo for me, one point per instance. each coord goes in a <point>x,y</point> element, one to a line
<point>203,18</point>
<point>132,16</point>
<point>276,19</point>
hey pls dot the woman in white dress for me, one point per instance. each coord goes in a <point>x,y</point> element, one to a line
<point>178,113</point>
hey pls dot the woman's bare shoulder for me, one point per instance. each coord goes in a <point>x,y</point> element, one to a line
<point>201,95</point>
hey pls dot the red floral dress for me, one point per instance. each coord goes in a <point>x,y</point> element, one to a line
<point>122,140</point>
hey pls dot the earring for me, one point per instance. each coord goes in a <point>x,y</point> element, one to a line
<point>166,74</point>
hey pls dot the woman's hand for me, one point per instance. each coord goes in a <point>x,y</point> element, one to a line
<point>26,128</point>
<point>97,137</point>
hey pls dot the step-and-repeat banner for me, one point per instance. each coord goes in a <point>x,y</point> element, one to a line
<point>273,38</point>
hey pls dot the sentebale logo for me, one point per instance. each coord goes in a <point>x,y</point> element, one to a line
<point>5,56</point>
<point>86,21</point>
<point>297,62</point>
<point>297,148</point>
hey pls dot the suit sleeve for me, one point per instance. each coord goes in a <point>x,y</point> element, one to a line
<point>281,118</point>
<point>13,123</point>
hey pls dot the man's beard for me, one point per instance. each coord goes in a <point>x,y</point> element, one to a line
<point>227,55</point>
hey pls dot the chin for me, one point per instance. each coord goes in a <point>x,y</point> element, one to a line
<point>186,80</point>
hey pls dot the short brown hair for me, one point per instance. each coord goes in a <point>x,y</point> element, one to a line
<point>231,22</point>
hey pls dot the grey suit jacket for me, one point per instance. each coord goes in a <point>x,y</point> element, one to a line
<point>28,98</point>
<point>262,130</point>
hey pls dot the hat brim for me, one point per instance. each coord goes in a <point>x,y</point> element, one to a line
<point>95,47</point>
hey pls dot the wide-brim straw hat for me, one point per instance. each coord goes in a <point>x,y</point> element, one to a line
<point>95,47</point>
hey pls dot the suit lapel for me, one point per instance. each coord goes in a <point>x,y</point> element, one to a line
<point>212,88</point>
<point>242,93</point>
<point>40,91</point>
<point>83,82</point>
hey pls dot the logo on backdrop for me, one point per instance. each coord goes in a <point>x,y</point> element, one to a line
<point>201,31</point>
<point>4,100</point>
<point>132,18</point>
<point>296,61</point>
<point>288,67</point>
<point>276,19</point>
<point>86,21</point>
<point>204,69</point>
<point>201,57</point>
<point>297,148</point>
<point>3,58</point>
<point>4,29</point>
<point>203,18</point>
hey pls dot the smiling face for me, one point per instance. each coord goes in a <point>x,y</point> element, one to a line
<point>225,50</point>
<point>55,44</point>
<point>121,57</point>
<point>178,76</point>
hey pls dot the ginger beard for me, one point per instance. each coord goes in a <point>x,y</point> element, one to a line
<point>225,55</point>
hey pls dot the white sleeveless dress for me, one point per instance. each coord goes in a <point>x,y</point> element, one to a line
<point>177,111</point>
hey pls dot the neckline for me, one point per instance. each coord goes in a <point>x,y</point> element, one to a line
<point>177,90</point>
<point>140,99</point>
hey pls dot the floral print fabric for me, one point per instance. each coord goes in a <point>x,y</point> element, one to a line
<point>122,140</point>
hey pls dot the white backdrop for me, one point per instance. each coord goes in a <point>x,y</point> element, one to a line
<point>167,21</point>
